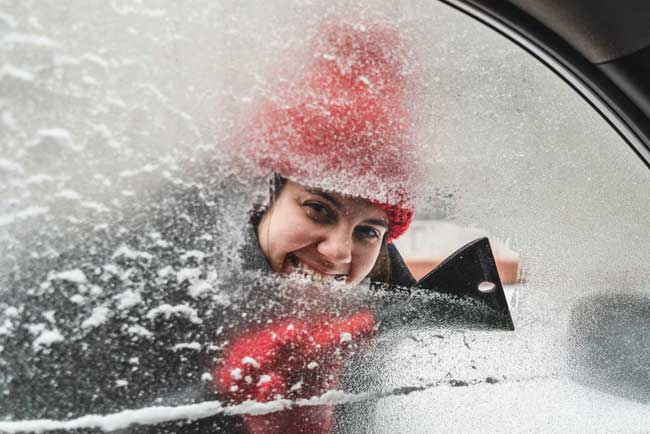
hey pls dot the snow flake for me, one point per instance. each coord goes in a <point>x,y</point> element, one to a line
<point>248,360</point>
<point>35,329</point>
<point>129,253</point>
<point>78,299</point>
<point>6,328</point>
<point>32,211</point>
<point>163,243</point>
<point>99,316</point>
<point>112,268</point>
<point>127,10</point>
<point>235,374</point>
<point>128,299</point>
<point>206,376</point>
<point>58,136</point>
<point>187,274</point>
<point>364,80</point>
<point>29,39</point>
<point>95,59</point>
<point>49,316</point>
<point>11,312</point>
<point>47,338</point>
<point>94,206</point>
<point>16,73</point>
<point>346,337</point>
<point>148,168</point>
<point>198,287</point>
<point>165,271</point>
<point>10,166</point>
<point>10,122</point>
<point>39,179</point>
<point>312,365</point>
<point>187,346</point>
<point>73,276</point>
<point>138,330</point>
<point>167,310</point>
<point>68,194</point>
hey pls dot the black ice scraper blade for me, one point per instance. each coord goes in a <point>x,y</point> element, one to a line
<point>471,271</point>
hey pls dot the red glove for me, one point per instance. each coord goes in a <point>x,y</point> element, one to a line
<point>291,359</point>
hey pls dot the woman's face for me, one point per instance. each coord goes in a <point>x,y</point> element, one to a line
<point>324,235</point>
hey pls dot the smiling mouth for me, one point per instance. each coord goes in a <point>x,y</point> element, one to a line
<point>296,266</point>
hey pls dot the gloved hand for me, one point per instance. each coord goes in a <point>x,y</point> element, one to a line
<point>291,359</point>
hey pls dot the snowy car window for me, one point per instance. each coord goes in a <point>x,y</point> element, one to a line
<point>201,209</point>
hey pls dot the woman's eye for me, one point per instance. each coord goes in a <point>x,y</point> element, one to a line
<point>319,212</point>
<point>369,232</point>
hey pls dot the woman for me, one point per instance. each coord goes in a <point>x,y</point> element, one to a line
<point>342,126</point>
<point>328,236</point>
<point>337,141</point>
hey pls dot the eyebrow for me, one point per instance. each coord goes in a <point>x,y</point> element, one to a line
<point>337,203</point>
<point>377,222</point>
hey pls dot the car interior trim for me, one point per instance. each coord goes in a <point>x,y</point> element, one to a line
<point>590,82</point>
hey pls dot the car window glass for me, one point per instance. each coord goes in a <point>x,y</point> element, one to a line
<point>124,217</point>
<point>519,156</point>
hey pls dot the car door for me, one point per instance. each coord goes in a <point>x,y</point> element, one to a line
<point>123,219</point>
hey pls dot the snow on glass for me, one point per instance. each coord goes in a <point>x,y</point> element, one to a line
<point>123,210</point>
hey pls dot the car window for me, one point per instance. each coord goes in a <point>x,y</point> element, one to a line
<point>128,280</point>
<point>518,155</point>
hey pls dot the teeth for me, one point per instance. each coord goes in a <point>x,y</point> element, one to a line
<point>308,272</point>
<point>313,274</point>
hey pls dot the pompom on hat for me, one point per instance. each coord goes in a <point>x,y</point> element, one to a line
<point>343,125</point>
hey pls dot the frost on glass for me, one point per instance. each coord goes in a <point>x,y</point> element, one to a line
<point>126,199</point>
<point>516,153</point>
<point>118,216</point>
<point>123,215</point>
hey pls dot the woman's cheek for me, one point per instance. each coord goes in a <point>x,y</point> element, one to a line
<point>299,230</point>
<point>363,260</point>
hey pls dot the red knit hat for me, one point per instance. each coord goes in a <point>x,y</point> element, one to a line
<point>343,125</point>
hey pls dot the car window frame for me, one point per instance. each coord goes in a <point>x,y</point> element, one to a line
<point>585,78</point>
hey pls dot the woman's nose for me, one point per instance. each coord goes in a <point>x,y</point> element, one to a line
<point>337,246</point>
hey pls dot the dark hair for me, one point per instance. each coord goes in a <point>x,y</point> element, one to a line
<point>381,272</point>
<point>276,185</point>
